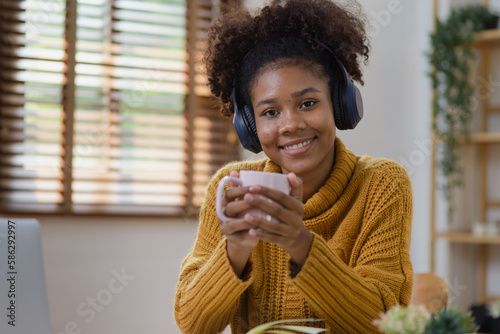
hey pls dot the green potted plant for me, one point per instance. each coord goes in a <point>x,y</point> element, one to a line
<point>450,321</point>
<point>403,320</point>
<point>450,57</point>
<point>417,320</point>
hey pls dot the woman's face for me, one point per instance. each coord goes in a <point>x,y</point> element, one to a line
<point>294,119</point>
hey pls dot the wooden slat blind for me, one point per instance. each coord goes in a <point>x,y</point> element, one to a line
<point>214,139</point>
<point>31,126</point>
<point>104,108</point>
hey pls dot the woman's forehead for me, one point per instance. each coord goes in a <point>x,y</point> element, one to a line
<point>313,68</point>
<point>286,82</point>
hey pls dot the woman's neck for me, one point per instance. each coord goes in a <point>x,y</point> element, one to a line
<point>314,180</point>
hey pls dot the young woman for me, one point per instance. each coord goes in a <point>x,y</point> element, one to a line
<point>340,251</point>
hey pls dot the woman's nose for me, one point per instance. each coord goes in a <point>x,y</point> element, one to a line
<point>291,121</point>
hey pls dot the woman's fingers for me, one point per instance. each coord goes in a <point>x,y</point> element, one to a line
<point>234,173</point>
<point>295,186</point>
<point>235,226</point>
<point>266,236</point>
<point>287,201</point>
<point>238,231</point>
<point>286,208</point>
<point>289,232</point>
<point>270,206</point>
<point>274,203</point>
<point>234,193</point>
<point>232,201</point>
<point>265,225</point>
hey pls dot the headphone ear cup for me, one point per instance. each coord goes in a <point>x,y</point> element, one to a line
<point>353,105</point>
<point>346,98</point>
<point>244,124</point>
<point>338,105</point>
<point>347,105</point>
<point>252,128</point>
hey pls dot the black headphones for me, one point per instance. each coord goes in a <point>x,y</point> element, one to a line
<point>346,101</point>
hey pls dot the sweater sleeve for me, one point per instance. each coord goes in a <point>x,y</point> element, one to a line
<point>208,290</point>
<point>379,273</point>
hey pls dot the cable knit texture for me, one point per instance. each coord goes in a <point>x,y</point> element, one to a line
<point>358,265</point>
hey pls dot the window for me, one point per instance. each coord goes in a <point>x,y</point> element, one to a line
<point>104,108</point>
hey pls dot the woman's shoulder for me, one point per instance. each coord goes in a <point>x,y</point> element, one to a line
<point>365,162</point>
<point>381,168</point>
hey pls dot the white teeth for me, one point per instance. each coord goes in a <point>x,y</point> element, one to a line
<point>296,146</point>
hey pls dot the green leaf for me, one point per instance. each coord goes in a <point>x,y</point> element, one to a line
<point>303,329</point>
<point>276,325</point>
<point>262,328</point>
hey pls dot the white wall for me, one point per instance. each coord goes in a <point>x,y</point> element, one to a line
<point>397,97</point>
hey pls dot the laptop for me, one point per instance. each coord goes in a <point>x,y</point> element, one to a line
<point>23,296</point>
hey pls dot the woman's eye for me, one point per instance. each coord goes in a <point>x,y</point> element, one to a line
<point>270,112</point>
<point>308,104</point>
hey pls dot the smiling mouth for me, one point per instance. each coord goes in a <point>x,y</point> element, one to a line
<point>299,145</point>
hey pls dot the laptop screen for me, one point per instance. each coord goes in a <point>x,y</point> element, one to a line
<point>23,295</point>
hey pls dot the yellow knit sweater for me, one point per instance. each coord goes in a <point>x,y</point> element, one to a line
<point>358,265</point>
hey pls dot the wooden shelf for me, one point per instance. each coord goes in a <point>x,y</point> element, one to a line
<point>487,38</point>
<point>485,43</point>
<point>485,138</point>
<point>491,299</point>
<point>479,138</point>
<point>469,238</point>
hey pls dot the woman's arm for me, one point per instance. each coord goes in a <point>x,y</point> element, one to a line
<point>207,292</point>
<point>208,289</point>
<point>379,272</point>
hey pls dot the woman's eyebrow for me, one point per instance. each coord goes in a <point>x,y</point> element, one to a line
<point>305,91</point>
<point>266,101</point>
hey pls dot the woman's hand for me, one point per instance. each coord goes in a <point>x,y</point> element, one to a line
<point>290,232</point>
<point>240,241</point>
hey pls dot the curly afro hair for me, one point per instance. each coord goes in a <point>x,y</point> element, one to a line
<point>239,44</point>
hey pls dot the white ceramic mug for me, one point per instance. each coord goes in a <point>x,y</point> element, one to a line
<point>248,178</point>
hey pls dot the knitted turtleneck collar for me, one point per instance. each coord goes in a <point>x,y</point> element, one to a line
<point>329,193</point>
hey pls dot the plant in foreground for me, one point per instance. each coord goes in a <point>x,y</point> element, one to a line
<point>281,327</point>
<point>417,320</point>
<point>403,320</point>
<point>450,321</point>
<point>494,308</point>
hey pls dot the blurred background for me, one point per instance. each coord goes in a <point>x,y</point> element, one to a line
<point>109,137</point>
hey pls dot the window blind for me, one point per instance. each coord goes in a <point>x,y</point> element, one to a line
<point>32,51</point>
<point>104,107</point>
<point>214,140</point>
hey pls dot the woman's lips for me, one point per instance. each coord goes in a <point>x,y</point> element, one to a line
<point>299,147</point>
